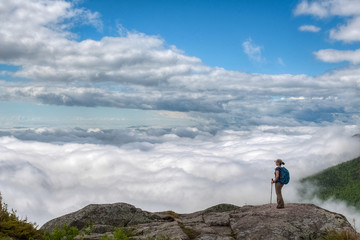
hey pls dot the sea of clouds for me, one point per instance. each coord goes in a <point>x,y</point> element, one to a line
<point>45,173</point>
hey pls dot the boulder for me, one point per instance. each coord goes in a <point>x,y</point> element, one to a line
<point>104,217</point>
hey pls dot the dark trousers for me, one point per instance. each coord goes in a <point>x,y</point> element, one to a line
<point>279,198</point>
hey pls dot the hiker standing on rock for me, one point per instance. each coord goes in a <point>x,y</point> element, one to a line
<point>278,184</point>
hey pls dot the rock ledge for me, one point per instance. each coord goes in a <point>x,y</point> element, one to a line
<point>221,222</point>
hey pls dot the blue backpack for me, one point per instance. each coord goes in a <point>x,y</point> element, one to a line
<point>284,176</point>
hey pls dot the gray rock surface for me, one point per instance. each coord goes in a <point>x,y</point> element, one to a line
<point>221,222</point>
<point>105,217</point>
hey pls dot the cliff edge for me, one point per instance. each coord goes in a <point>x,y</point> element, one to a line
<point>224,221</point>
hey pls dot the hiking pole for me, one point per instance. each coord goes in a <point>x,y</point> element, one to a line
<point>271,192</point>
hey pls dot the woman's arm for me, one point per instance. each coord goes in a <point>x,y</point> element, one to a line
<point>276,175</point>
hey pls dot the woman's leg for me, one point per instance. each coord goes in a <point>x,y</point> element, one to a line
<point>280,201</point>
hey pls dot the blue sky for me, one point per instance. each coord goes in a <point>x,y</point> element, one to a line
<point>215,31</point>
<point>169,104</point>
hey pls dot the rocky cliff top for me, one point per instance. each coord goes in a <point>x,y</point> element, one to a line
<point>224,221</point>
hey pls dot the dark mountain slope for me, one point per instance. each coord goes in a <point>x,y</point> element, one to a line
<point>341,182</point>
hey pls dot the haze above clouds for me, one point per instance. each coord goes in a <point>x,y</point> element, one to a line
<point>206,134</point>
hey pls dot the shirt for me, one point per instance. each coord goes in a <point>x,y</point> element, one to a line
<point>278,169</point>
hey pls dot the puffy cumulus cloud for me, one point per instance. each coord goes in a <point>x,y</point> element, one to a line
<point>309,28</point>
<point>318,8</point>
<point>32,30</point>
<point>134,59</point>
<point>349,9</point>
<point>183,169</point>
<point>332,55</point>
<point>36,37</point>
<point>327,8</point>
<point>348,32</point>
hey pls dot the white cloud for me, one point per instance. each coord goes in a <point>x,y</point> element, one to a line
<point>253,51</point>
<point>317,8</point>
<point>134,59</point>
<point>349,32</point>
<point>52,53</point>
<point>182,169</point>
<point>141,72</point>
<point>348,9</point>
<point>309,28</point>
<point>238,95</point>
<point>34,29</point>
<point>332,55</point>
<point>327,8</point>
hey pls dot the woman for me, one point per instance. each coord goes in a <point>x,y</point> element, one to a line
<point>278,185</point>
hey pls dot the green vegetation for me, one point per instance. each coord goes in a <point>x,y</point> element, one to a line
<point>340,182</point>
<point>118,235</point>
<point>64,233</point>
<point>12,227</point>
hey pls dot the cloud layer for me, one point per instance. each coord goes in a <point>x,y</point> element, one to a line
<point>45,175</point>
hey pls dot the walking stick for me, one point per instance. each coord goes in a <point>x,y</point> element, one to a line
<point>271,192</point>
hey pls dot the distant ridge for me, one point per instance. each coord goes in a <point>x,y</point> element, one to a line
<point>340,182</point>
